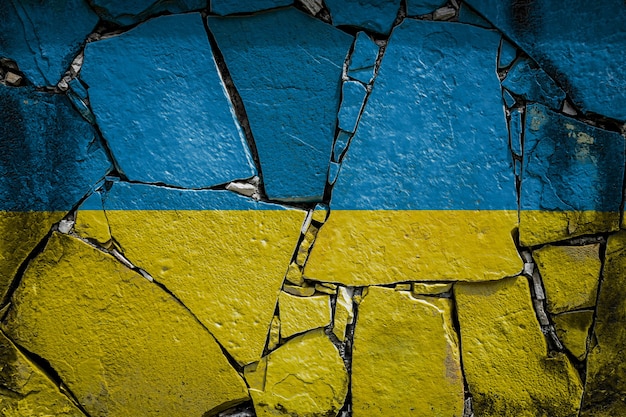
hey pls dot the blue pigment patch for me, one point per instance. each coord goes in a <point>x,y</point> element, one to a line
<point>129,12</point>
<point>374,15</point>
<point>224,7</point>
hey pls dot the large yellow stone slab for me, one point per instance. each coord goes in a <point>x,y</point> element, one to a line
<point>605,390</point>
<point>570,275</point>
<point>25,391</point>
<point>362,247</point>
<point>505,355</point>
<point>405,358</point>
<point>227,266</point>
<point>572,330</point>
<point>304,377</point>
<point>121,344</point>
<point>300,314</point>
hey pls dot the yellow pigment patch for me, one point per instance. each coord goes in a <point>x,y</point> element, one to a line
<point>573,330</point>
<point>300,314</point>
<point>92,224</point>
<point>539,227</point>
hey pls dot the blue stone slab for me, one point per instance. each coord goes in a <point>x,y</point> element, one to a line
<point>374,15</point>
<point>224,7</point>
<point>287,68</point>
<point>509,100</point>
<point>527,80</point>
<point>333,171</point>
<point>469,16</point>
<point>433,135</point>
<point>516,131</point>
<point>507,54</point>
<point>129,12</point>
<point>161,105</point>
<point>581,45</point>
<point>352,98</point>
<point>49,156</point>
<point>44,37</point>
<point>93,202</point>
<point>363,58</point>
<point>341,142</point>
<point>420,7</point>
<point>570,166</point>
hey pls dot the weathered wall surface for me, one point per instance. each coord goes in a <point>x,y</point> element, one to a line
<point>350,207</point>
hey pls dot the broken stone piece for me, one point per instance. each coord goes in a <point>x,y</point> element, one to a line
<point>169,120</point>
<point>105,328</point>
<point>516,132</point>
<point>299,290</point>
<point>507,54</point>
<point>344,312</point>
<point>404,346</point>
<point>294,274</point>
<point>12,78</point>
<point>420,288</point>
<point>570,276</point>
<point>274,334</point>
<point>301,314</point>
<point>304,377</point>
<point>352,100</point>
<point>131,12</point>
<point>572,330</point>
<point>91,221</point>
<point>305,245</point>
<point>324,288</point>
<point>363,58</point>
<point>501,338</point>
<point>224,7</point>
<point>469,16</point>
<point>444,13</point>
<point>403,287</point>
<point>421,7</point>
<point>530,82</point>
<point>375,15</point>
<point>320,213</point>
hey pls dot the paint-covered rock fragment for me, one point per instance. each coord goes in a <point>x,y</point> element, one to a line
<point>420,288</point>
<point>121,344</point>
<point>581,46</point>
<point>572,178</point>
<point>135,11</point>
<point>507,54</point>
<point>570,276</point>
<point>344,312</point>
<point>26,390</point>
<point>273,338</point>
<point>516,131</point>
<point>405,359</point>
<point>605,389</point>
<point>91,221</point>
<point>373,15</point>
<point>363,58</point>
<point>225,256</point>
<point>353,95</point>
<point>572,330</point>
<point>420,7</point>
<point>469,16</point>
<point>301,314</point>
<point>224,7</point>
<point>49,159</point>
<point>426,190</point>
<point>304,377</point>
<point>505,356</point>
<point>530,82</point>
<point>162,107</point>
<point>291,98</point>
<point>43,38</point>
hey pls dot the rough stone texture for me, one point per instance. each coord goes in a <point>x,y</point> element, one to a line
<point>121,344</point>
<point>134,11</point>
<point>353,95</point>
<point>304,377</point>
<point>301,314</point>
<point>49,158</point>
<point>43,38</point>
<point>26,390</point>
<point>223,255</point>
<point>363,58</point>
<point>419,288</point>
<point>420,7</point>
<point>529,81</point>
<point>374,15</point>
<point>291,98</point>
<point>161,105</point>
<point>469,16</point>
<point>91,221</point>
<point>405,359</point>
<point>573,331</point>
<point>572,178</point>
<point>507,54</point>
<point>505,356</point>
<point>605,393</point>
<point>577,45</point>
<point>344,312</point>
<point>570,275</point>
<point>224,7</point>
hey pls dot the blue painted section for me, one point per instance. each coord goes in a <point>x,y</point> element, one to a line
<point>529,81</point>
<point>161,105</point>
<point>469,16</point>
<point>81,107</point>
<point>516,130</point>
<point>374,15</point>
<point>507,54</point>
<point>569,165</point>
<point>340,144</point>
<point>291,93</point>
<point>224,7</point>
<point>353,95</point>
<point>420,7</point>
<point>128,196</point>
<point>78,88</point>
<point>333,171</point>
<point>93,202</point>
<point>44,37</point>
<point>433,135</point>
<point>509,100</point>
<point>576,45</point>
<point>129,12</point>
<point>49,156</point>
<point>363,58</point>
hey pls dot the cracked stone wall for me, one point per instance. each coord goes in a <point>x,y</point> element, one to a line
<point>312,208</point>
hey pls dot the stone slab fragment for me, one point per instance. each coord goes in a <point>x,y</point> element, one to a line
<point>405,359</point>
<point>421,7</point>
<point>301,314</point>
<point>528,80</point>
<point>161,105</point>
<point>373,15</point>
<point>135,11</point>
<point>363,58</point>
<point>344,312</point>
<point>121,344</point>
<point>91,221</point>
<point>352,100</point>
<point>224,7</point>
<point>505,355</point>
<point>291,98</point>
<point>573,331</point>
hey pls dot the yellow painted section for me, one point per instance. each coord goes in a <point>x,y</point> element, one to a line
<point>227,267</point>
<point>93,224</point>
<point>573,329</point>
<point>420,288</point>
<point>294,274</point>
<point>274,335</point>
<point>570,276</point>
<point>304,290</point>
<point>120,343</point>
<point>305,245</point>
<point>382,247</point>
<point>19,234</point>
<point>304,377</point>
<point>505,355</point>
<point>301,314</point>
<point>539,227</point>
<point>405,359</point>
<point>344,313</point>
<point>29,392</point>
